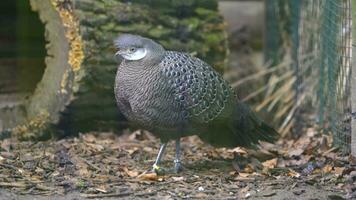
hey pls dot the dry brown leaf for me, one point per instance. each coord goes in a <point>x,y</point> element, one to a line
<point>232,173</point>
<point>148,149</point>
<point>200,195</point>
<point>339,170</point>
<point>270,163</point>
<point>249,169</point>
<point>90,138</point>
<point>132,151</point>
<point>136,135</point>
<point>131,173</point>
<point>327,169</point>
<point>293,173</point>
<point>295,152</point>
<point>149,177</point>
<point>244,175</point>
<point>96,147</point>
<point>102,189</point>
<point>84,172</point>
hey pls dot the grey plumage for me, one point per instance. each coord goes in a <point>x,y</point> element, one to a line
<point>174,94</point>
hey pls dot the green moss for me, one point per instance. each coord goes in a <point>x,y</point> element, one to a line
<point>192,23</point>
<point>139,28</point>
<point>159,32</point>
<point>213,39</point>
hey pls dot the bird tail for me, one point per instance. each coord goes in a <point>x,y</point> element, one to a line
<point>249,129</point>
<point>244,129</point>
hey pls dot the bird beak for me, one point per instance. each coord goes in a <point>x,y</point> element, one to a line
<point>119,52</point>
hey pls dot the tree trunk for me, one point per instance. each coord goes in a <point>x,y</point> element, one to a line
<point>76,90</point>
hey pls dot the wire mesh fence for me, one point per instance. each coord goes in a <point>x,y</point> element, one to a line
<point>316,35</point>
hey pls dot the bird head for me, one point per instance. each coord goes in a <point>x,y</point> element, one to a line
<point>134,47</point>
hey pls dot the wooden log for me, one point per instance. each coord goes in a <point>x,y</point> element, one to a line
<point>76,90</point>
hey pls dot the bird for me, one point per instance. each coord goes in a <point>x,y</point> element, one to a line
<point>174,94</point>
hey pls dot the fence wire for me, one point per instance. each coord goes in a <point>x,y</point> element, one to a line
<point>321,31</point>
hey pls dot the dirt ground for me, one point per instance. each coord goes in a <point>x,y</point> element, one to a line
<point>107,166</point>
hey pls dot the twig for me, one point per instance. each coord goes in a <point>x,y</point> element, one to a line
<point>279,92</point>
<point>292,111</point>
<point>259,74</point>
<point>8,166</point>
<point>91,196</point>
<point>16,184</point>
<point>261,89</point>
<point>90,164</point>
<point>43,188</point>
<point>269,70</point>
<point>118,195</point>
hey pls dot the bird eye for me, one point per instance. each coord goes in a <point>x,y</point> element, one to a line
<point>133,49</point>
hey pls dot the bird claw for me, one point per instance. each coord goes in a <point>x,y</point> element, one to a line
<point>161,171</point>
<point>158,170</point>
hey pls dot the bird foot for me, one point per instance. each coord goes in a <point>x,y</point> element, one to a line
<point>162,171</point>
<point>158,170</point>
<point>177,166</point>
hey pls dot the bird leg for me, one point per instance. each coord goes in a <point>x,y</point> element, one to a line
<point>177,162</point>
<point>156,168</point>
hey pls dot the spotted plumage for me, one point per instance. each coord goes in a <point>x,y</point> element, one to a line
<point>200,91</point>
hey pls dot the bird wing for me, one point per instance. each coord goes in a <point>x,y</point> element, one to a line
<point>200,91</point>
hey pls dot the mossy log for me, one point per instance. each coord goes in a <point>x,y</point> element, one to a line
<point>76,90</point>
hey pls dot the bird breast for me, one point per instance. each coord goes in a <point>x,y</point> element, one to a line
<point>144,97</point>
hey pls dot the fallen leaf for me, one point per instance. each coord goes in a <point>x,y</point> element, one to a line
<point>295,152</point>
<point>270,163</point>
<point>232,173</point>
<point>180,178</point>
<point>327,169</point>
<point>244,175</point>
<point>148,177</point>
<point>132,151</point>
<point>136,135</point>
<point>293,173</point>
<point>200,195</point>
<point>131,173</point>
<point>90,138</point>
<point>96,147</point>
<point>249,169</point>
<point>339,170</point>
<point>148,149</point>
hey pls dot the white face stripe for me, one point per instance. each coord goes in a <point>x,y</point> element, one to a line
<point>137,55</point>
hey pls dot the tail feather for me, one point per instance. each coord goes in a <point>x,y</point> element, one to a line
<point>243,129</point>
<point>248,129</point>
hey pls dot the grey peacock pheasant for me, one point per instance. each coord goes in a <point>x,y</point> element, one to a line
<point>174,94</point>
